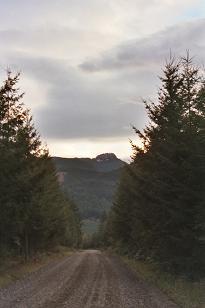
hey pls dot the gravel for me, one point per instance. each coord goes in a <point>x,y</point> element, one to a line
<point>87,279</point>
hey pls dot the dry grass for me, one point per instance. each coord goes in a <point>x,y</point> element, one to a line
<point>185,293</point>
<point>15,268</point>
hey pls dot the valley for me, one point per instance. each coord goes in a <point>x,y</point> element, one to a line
<point>91,183</point>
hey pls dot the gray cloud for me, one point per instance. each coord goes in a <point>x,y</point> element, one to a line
<point>81,104</point>
<point>101,97</point>
<point>88,115</point>
<point>78,106</point>
<point>151,51</point>
<point>79,110</point>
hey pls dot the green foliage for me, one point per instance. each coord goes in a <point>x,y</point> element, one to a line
<point>159,211</point>
<point>34,212</point>
<point>90,183</point>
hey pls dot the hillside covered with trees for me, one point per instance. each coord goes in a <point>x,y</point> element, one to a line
<point>92,183</point>
<point>159,213</point>
<point>35,214</point>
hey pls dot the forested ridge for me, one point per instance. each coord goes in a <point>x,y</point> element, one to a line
<point>91,182</point>
<point>34,213</point>
<point>159,210</point>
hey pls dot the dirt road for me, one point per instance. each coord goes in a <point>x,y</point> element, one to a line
<point>84,280</point>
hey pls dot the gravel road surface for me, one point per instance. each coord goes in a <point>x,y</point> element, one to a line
<point>87,279</point>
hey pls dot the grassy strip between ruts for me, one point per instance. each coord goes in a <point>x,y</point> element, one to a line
<point>15,268</point>
<point>185,293</point>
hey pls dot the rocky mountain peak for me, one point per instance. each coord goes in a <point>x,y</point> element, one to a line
<point>106,157</point>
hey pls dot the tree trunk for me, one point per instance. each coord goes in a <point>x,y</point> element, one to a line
<point>26,246</point>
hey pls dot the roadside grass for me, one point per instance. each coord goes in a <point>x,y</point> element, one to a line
<point>16,268</point>
<point>185,293</point>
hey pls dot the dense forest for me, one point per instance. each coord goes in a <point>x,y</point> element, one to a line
<point>159,213</point>
<point>90,182</point>
<point>34,212</point>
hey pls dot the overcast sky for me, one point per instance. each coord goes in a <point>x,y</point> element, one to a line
<point>87,64</point>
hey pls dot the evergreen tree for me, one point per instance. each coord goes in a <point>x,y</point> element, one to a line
<point>34,212</point>
<point>12,117</point>
<point>159,211</point>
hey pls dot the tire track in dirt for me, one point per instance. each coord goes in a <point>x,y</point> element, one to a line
<point>87,279</point>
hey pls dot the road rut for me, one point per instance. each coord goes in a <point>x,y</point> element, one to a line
<point>87,279</point>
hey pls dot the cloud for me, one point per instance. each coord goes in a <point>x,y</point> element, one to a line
<point>151,51</point>
<point>78,110</point>
<point>76,106</point>
<point>102,97</point>
<point>87,64</point>
<point>54,42</point>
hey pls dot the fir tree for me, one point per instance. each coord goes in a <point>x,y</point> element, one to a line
<point>159,211</point>
<point>34,211</point>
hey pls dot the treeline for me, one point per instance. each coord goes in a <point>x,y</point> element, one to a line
<point>159,211</point>
<point>34,213</point>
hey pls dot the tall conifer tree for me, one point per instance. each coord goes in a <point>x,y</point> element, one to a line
<point>34,212</point>
<point>163,189</point>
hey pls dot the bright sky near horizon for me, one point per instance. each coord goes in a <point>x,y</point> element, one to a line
<point>86,65</point>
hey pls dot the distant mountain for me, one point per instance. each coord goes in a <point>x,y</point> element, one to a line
<point>90,182</point>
